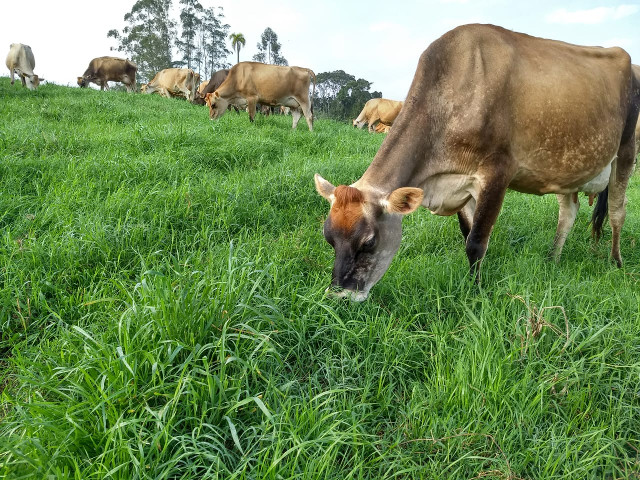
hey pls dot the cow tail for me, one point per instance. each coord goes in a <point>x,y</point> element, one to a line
<point>600,213</point>
<point>313,91</point>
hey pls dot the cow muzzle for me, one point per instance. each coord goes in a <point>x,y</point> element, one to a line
<point>353,295</point>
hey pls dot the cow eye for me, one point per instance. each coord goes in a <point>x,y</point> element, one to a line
<point>369,244</point>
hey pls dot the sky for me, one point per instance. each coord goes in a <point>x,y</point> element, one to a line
<point>379,41</point>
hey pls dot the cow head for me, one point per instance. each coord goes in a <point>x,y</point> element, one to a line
<point>32,81</point>
<point>143,87</point>
<point>364,228</point>
<point>217,105</point>
<point>83,82</point>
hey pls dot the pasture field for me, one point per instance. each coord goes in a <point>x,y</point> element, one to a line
<point>163,313</point>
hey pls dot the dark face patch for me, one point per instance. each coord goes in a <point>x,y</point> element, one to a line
<point>353,238</point>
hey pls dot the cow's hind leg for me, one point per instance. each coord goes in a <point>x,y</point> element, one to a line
<point>308,115</point>
<point>567,212</point>
<point>620,172</point>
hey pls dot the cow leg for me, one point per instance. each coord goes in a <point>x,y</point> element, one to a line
<point>621,170</point>
<point>488,206</point>
<point>22,79</point>
<point>296,114</point>
<point>465,217</point>
<point>567,213</point>
<point>306,111</point>
<point>251,105</point>
<point>372,121</point>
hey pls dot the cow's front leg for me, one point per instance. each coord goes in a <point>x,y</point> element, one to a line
<point>465,217</point>
<point>488,205</point>
<point>295,114</point>
<point>251,105</point>
<point>372,122</point>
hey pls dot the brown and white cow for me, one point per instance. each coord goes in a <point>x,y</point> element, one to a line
<point>252,82</point>
<point>173,82</point>
<point>488,110</point>
<point>102,70</point>
<point>20,61</point>
<point>378,110</point>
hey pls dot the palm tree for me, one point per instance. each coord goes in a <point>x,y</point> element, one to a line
<point>237,40</point>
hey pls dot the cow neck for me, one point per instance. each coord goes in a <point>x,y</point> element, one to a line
<point>397,164</point>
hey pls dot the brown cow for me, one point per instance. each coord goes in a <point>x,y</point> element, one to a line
<point>104,69</point>
<point>378,110</point>
<point>253,82</point>
<point>488,110</point>
<point>173,82</point>
<point>20,61</point>
<point>212,85</point>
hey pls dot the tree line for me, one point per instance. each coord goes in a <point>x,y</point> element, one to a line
<point>150,39</point>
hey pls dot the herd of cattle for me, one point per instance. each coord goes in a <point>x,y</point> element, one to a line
<point>488,110</point>
<point>245,85</point>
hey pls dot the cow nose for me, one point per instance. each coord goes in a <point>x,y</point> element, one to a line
<point>335,291</point>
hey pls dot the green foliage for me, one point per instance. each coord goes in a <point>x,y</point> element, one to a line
<point>147,39</point>
<point>162,313</point>
<point>191,22</point>
<point>213,37</point>
<point>269,49</point>
<point>340,96</point>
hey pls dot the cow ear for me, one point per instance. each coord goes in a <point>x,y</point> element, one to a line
<point>216,94</point>
<point>404,200</point>
<point>324,188</point>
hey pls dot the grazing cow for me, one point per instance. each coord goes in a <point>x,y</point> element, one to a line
<point>253,82</point>
<point>101,70</point>
<point>378,110</point>
<point>488,110</point>
<point>173,82</point>
<point>20,61</point>
<point>212,85</point>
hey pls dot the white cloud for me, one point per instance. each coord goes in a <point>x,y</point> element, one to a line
<point>591,16</point>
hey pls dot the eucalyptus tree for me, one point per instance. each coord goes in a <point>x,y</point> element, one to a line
<point>147,37</point>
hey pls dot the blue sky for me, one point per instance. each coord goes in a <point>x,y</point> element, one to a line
<point>376,40</point>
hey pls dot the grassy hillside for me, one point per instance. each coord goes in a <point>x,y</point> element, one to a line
<point>163,313</point>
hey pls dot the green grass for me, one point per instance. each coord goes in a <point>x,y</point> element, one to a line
<point>163,314</point>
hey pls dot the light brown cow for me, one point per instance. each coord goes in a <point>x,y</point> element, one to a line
<point>173,82</point>
<point>382,128</point>
<point>488,110</point>
<point>378,110</point>
<point>20,61</point>
<point>102,70</point>
<point>201,87</point>
<point>253,82</point>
